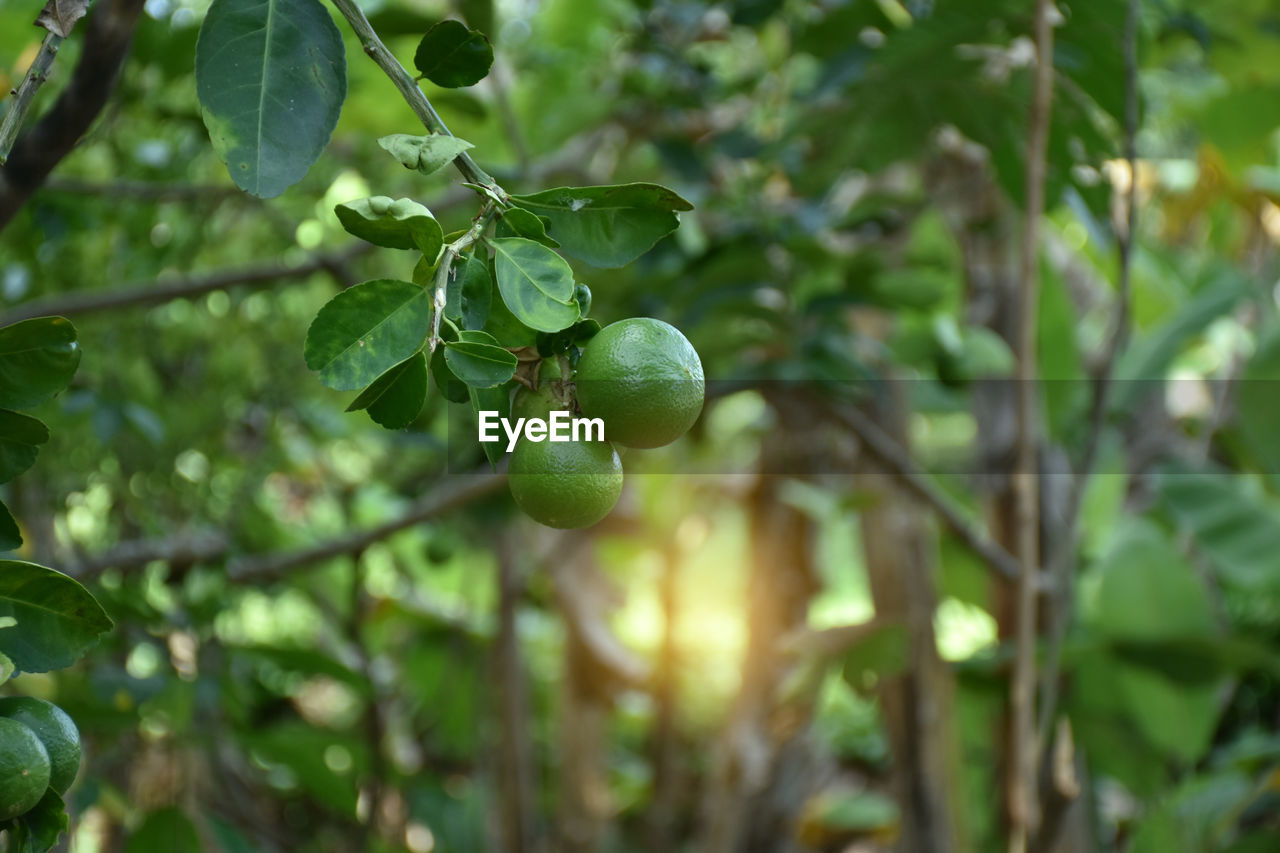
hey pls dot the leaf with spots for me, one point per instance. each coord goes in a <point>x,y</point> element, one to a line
<point>271,76</point>
<point>366,330</point>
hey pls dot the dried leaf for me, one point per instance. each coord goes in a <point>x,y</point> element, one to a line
<point>59,16</point>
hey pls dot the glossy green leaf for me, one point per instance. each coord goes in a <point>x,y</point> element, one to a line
<point>396,224</point>
<point>403,399</point>
<point>452,56</point>
<point>58,620</point>
<point>271,76</point>
<point>164,831</point>
<point>608,226</point>
<point>20,438</point>
<point>366,330</point>
<point>504,326</point>
<point>10,535</point>
<point>7,669</point>
<point>535,283</point>
<point>1239,532</point>
<point>38,357</point>
<point>518,222</point>
<point>469,293</point>
<point>478,361</point>
<point>427,154</point>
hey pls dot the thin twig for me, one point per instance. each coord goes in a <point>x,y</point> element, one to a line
<point>132,296</point>
<point>444,270</point>
<point>1022,800</point>
<point>26,92</point>
<point>1061,562</point>
<point>417,101</point>
<point>888,453</point>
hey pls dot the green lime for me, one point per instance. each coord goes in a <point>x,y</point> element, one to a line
<point>643,379</point>
<point>56,731</point>
<point>565,484</point>
<point>24,769</point>
<point>551,394</point>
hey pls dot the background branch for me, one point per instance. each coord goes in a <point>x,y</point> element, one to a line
<point>40,149</point>
<point>1022,799</point>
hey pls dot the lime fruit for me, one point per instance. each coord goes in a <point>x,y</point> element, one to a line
<point>24,769</point>
<point>551,394</point>
<point>565,484</point>
<point>56,731</point>
<point>643,378</point>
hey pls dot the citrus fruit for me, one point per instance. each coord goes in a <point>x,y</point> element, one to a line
<point>57,732</point>
<point>565,484</point>
<point>643,378</point>
<point>550,395</point>
<point>24,769</point>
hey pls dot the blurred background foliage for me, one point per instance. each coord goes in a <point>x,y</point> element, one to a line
<point>471,681</point>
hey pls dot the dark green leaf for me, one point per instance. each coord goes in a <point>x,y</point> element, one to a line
<point>881,653</point>
<point>398,224</point>
<point>44,824</point>
<point>271,76</point>
<point>58,620</point>
<point>477,360</point>
<point>164,831</point>
<point>427,154</point>
<point>38,357</point>
<point>504,326</point>
<point>1238,532</point>
<point>366,330</point>
<point>608,226</point>
<point>402,401</point>
<point>374,392</point>
<point>535,283</point>
<point>518,222</point>
<point>554,343</point>
<point>491,400</point>
<point>453,388</point>
<point>20,437</point>
<point>10,535</point>
<point>470,293</point>
<point>452,56</point>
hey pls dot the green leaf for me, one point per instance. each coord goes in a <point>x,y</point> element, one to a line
<point>554,343</point>
<point>374,392</point>
<point>1258,408</point>
<point>477,360</point>
<point>164,831</point>
<point>1238,532</point>
<point>1148,591</point>
<point>402,401</point>
<point>398,224</point>
<point>518,222</point>
<point>535,283</point>
<point>452,56</point>
<point>469,293</point>
<point>504,326</point>
<point>10,535</point>
<point>491,400</point>
<point>6,667</point>
<point>20,437</point>
<point>453,388</point>
<point>608,226</point>
<point>58,620</point>
<point>38,357</point>
<point>366,330</point>
<point>41,827</point>
<point>427,154</point>
<point>271,76</point>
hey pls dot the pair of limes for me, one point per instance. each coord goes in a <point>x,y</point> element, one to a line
<point>644,380</point>
<point>39,750</point>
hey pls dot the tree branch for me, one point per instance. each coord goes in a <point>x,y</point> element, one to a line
<point>417,101</point>
<point>41,148</point>
<point>1022,796</point>
<point>452,494</point>
<point>132,296</point>
<point>26,92</point>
